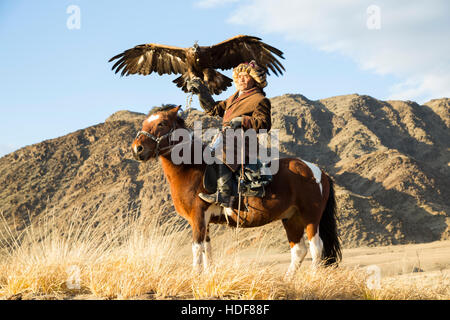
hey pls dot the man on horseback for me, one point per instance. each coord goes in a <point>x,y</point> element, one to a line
<point>247,108</point>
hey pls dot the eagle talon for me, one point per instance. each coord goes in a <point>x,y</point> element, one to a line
<point>194,85</point>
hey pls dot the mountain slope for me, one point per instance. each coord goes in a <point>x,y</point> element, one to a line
<point>390,161</point>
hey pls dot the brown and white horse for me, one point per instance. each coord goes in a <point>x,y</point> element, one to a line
<point>300,195</point>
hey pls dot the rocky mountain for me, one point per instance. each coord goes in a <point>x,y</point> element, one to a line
<point>390,161</point>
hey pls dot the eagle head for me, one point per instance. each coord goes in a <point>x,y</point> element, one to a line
<point>196,47</point>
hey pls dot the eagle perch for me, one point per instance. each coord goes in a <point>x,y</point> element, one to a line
<point>199,61</point>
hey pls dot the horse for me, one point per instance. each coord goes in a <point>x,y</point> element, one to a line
<point>300,195</point>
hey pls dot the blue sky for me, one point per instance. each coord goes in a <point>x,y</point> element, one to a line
<point>55,80</point>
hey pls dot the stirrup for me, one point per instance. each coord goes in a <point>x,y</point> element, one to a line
<point>226,202</point>
<point>210,198</point>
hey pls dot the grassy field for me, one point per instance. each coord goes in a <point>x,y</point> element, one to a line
<point>132,257</point>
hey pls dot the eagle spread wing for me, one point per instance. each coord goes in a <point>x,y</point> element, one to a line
<point>147,58</point>
<point>230,53</point>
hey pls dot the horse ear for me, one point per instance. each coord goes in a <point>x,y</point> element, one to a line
<point>174,111</point>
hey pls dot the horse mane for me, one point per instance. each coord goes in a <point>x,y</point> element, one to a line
<point>167,107</point>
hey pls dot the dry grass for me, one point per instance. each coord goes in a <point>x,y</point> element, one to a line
<point>136,257</point>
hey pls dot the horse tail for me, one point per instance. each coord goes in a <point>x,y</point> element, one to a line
<point>331,253</point>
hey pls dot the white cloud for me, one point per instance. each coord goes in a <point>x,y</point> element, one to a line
<point>412,42</point>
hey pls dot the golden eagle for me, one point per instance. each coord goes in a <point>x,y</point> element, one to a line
<point>199,61</point>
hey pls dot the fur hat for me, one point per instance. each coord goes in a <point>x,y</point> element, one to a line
<point>256,72</point>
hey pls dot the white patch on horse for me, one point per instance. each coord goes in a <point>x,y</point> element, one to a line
<point>316,247</point>
<point>228,211</point>
<point>153,117</point>
<point>197,253</point>
<point>316,172</point>
<point>298,253</point>
<point>135,149</point>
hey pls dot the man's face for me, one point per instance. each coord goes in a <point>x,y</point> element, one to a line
<point>244,81</point>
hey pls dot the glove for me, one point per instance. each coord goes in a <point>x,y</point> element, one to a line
<point>236,123</point>
<point>195,85</point>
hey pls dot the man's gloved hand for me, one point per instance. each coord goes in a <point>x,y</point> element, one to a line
<point>236,123</point>
<point>195,85</point>
<point>198,87</point>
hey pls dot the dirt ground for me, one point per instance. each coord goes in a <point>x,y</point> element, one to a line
<point>426,262</point>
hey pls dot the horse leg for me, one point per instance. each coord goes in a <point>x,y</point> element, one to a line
<point>212,210</point>
<point>207,251</point>
<point>198,243</point>
<point>201,247</point>
<point>197,249</point>
<point>294,231</point>
<point>315,244</point>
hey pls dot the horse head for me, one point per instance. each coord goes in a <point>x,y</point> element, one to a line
<point>154,139</point>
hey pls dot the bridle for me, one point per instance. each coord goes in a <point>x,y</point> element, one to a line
<point>158,140</point>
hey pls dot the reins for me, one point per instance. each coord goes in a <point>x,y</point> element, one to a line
<point>241,177</point>
<point>189,100</point>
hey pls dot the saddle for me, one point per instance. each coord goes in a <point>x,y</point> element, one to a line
<point>252,184</point>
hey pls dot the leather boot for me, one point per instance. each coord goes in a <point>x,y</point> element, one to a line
<point>224,188</point>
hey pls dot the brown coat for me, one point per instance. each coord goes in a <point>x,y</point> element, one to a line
<point>253,107</point>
